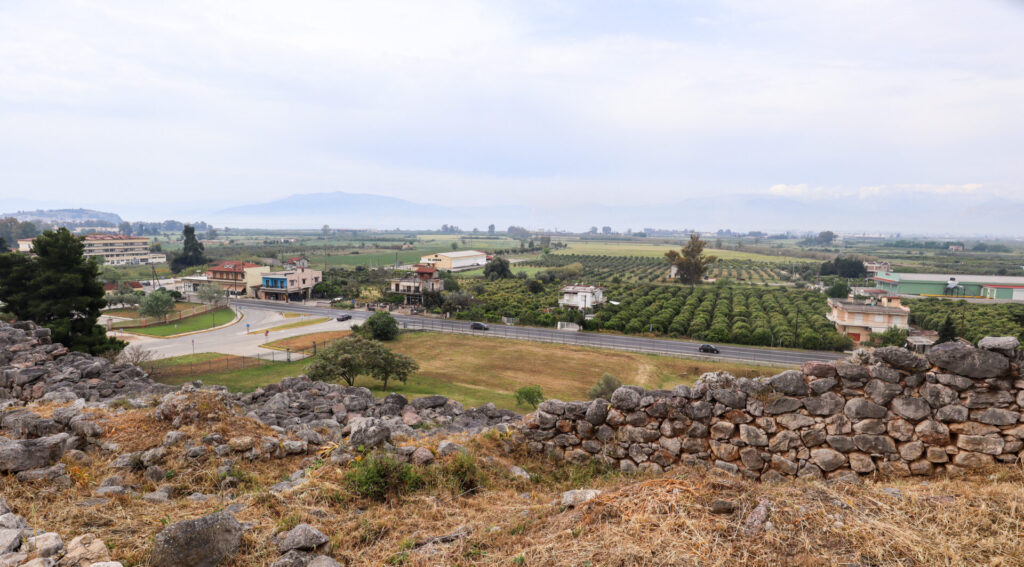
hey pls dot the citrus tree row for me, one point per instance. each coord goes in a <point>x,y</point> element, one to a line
<point>599,268</point>
<point>973,321</point>
<point>733,314</point>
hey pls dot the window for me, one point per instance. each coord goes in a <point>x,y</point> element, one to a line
<point>879,318</point>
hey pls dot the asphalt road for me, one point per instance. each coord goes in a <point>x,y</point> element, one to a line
<point>236,339</point>
<point>670,347</point>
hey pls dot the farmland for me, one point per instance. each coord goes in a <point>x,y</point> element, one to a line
<point>609,268</point>
<point>741,315</point>
<point>973,321</point>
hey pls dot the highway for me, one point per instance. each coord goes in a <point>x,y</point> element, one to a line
<point>667,347</point>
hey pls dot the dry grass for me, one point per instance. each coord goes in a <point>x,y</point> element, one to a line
<point>637,521</point>
<point>562,371</point>
<point>303,343</point>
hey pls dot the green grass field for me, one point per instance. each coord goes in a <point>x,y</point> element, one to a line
<point>198,323</point>
<point>133,312</point>
<point>477,370</point>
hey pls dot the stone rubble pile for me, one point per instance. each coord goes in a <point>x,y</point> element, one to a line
<point>888,409</point>
<point>32,368</point>
<point>22,545</point>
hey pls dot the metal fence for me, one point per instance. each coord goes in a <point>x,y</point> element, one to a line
<point>226,363</point>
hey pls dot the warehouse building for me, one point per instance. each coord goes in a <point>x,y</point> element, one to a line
<point>458,260</point>
<point>957,285</point>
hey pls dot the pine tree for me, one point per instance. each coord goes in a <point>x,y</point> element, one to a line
<point>192,251</point>
<point>692,264</point>
<point>58,288</point>
<point>947,332</point>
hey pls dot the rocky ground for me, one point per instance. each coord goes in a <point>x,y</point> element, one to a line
<point>101,466</point>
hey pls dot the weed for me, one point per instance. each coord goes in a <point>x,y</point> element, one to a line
<point>519,560</point>
<point>380,477</point>
<point>460,475</point>
<point>136,463</point>
<point>288,522</point>
<point>121,403</point>
<point>399,558</point>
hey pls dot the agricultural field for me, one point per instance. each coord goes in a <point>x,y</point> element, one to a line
<point>603,269</point>
<point>606,268</point>
<point>973,321</point>
<point>657,249</point>
<point>764,316</point>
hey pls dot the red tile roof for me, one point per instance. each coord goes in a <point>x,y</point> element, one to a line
<point>230,266</point>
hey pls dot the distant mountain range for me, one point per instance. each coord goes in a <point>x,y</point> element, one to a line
<point>63,215</point>
<point>361,210</point>
<point>911,213</point>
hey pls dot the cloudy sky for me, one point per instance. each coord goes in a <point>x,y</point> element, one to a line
<point>129,105</point>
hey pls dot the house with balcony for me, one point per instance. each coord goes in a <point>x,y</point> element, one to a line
<point>581,297</point>
<point>289,285</point>
<point>858,319</point>
<point>237,278</point>
<point>420,280</point>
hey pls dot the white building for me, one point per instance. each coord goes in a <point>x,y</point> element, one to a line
<point>581,296</point>
<point>458,260</point>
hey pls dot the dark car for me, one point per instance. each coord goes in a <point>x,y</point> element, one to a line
<point>708,348</point>
<point>343,317</point>
<point>478,326</point>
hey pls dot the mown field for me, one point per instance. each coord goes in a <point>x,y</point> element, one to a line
<point>477,370</point>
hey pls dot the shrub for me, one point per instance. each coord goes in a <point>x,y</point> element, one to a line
<point>460,475</point>
<point>380,477</point>
<point>606,385</point>
<point>531,395</point>
<point>381,326</point>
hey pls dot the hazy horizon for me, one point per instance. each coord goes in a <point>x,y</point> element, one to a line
<point>795,115</point>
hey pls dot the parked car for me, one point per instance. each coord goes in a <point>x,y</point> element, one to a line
<point>344,317</point>
<point>708,348</point>
<point>478,326</point>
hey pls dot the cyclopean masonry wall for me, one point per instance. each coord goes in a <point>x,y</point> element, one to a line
<point>887,410</point>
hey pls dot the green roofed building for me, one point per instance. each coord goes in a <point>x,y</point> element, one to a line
<point>955,285</point>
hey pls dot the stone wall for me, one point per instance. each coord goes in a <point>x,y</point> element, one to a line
<point>887,410</point>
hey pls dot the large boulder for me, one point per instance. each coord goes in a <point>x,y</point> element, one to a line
<point>968,361</point>
<point>202,542</point>
<point>369,433</point>
<point>1006,346</point>
<point>25,454</point>
<point>902,358</point>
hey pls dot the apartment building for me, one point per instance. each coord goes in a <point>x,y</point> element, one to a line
<point>289,285</point>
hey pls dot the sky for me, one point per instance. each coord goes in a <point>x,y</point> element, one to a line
<point>152,109</point>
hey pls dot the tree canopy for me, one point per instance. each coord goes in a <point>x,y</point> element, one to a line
<point>192,252</point>
<point>157,304</point>
<point>355,356</point>
<point>691,264</point>
<point>844,267</point>
<point>497,269</point>
<point>58,288</point>
<point>381,326</point>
